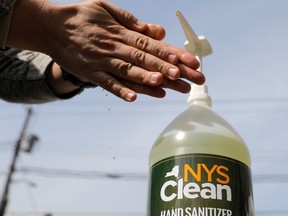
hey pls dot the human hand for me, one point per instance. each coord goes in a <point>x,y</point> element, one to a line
<point>101,43</point>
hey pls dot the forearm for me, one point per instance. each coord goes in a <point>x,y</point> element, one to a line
<point>29,27</point>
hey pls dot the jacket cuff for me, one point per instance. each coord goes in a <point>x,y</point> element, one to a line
<point>49,85</point>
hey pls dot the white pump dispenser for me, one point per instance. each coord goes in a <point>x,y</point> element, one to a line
<point>199,165</point>
<point>200,47</point>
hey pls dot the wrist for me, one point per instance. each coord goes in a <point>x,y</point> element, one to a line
<point>75,81</point>
<point>57,31</point>
<point>55,78</point>
<point>63,82</point>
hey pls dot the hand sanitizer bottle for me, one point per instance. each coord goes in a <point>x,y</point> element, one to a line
<point>199,165</point>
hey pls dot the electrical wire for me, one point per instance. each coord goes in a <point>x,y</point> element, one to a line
<point>48,172</point>
<point>30,193</point>
<point>174,102</point>
<point>5,145</point>
<point>84,174</point>
<point>168,102</point>
<point>272,212</point>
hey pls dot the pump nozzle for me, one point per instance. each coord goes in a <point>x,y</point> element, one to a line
<point>200,47</point>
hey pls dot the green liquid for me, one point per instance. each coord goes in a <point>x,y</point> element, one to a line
<point>199,130</point>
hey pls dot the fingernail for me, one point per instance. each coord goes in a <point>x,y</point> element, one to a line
<point>172,58</point>
<point>154,78</point>
<point>130,96</point>
<point>173,72</point>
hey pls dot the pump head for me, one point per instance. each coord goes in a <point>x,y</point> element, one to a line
<point>200,47</point>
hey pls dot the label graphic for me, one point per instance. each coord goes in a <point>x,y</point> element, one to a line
<point>200,185</point>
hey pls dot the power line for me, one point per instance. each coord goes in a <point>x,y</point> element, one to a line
<point>48,172</point>
<point>6,144</point>
<point>30,193</point>
<point>84,174</point>
<point>3,173</point>
<point>272,212</point>
<point>270,178</point>
<point>258,101</point>
<point>172,102</point>
<point>177,101</point>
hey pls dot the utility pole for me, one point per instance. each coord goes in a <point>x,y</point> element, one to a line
<point>4,200</point>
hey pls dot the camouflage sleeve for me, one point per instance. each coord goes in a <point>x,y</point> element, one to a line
<point>4,27</point>
<point>23,77</point>
<point>6,9</point>
<point>5,5</point>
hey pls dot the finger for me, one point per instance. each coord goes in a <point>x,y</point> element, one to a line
<point>153,91</point>
<point>179,85</point>
<point>150,45</point>
<point>190,74</point>
<point>155,31</point>
<point>188,59</point>
<point>132,73</point>
<point>124,17</point>
<point>184,56</point>
<point>147,61</point>
<point>112,85</point>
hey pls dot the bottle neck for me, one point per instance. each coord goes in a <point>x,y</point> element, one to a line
<point>204,103</point>
<point>199,96</point>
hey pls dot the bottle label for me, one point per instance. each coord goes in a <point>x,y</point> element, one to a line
<point>200,185</point>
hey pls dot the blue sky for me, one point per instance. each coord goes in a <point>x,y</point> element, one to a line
<point>99,134</point>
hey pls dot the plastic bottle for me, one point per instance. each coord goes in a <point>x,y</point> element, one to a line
<point>199,165</point>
